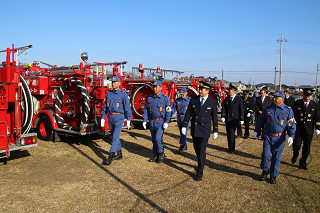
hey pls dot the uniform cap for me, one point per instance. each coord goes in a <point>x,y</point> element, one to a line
<point>116,78</point>
<point>308,91</point>
<point>279,93</point>
<point>232,87</point>
<point>182,90</point>
<point>203,84</point>
<point>157,83</point>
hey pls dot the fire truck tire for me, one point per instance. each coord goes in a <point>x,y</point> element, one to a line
<point>134,98</point>
<point>27,106</point>
<point>193,90</point>
<point>218,97</point>
<point>85,102</point>
<point>44,129</point>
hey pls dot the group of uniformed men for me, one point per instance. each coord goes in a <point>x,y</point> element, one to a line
<point>274,117</point>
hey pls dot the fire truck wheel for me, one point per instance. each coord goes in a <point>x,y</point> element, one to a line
<point>215,95</point>
<point>44,129</point>
<point>139,99</point>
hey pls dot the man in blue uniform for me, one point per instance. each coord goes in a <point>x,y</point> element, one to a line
<point>202,110</point>
<point>278,119</point>
<point>232,114</point>
<point>180,106</point>
<point>158,111</point>
<point>116,106</point>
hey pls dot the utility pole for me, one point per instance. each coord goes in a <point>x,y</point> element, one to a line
<point>317,82</point>
<point>222,74</point>
<point>275,78</point>
<point>281,41</point>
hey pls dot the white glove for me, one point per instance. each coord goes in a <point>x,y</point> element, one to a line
<point>223,120</point>
<point>102,122</point>
<point>291,122</point>
<point>255,134</point>
<point>248,115</point>
<point>165,125</point>
<point>184,130</point>
<point>215,135</point>
<point>144,124</point>
<point>241,122</point>
<point>290,141</point>
<point>128,125</point>
<point>317,132</point>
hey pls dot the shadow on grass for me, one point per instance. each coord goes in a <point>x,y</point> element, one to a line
<point>15,155</point>
<point>134,191</point>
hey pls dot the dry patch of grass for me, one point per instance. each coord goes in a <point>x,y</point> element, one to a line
<point>68,176</point>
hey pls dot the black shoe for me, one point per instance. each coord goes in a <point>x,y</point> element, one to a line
<point>232,151</point>
<point>118,156</point>
<point>293,160</point>
<point>110,158</point>
<point>182,148</point>
<point>198,178</point>
<point>246,137</point>
<point>272,180</point>
<point>303,166</point>
<point>264,175</point>
<point>185,147</point>
<point>154,158</point>
<point>160,158</point>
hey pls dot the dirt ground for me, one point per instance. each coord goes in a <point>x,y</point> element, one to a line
<point>68,177</point>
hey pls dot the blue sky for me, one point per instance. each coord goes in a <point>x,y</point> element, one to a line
<point>199,37</point>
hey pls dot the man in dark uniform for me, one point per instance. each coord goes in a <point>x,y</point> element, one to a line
<point>262,102</point>
<point>248,109</point>
<point>278,120</point>
<point>180,106</point>
<point>239,126</point>
<point>116,106</point>
<point>202,110</point>
<point>232,114</point>
<point>158,111</point>
<point>289,99</point>
<point>307,116</point>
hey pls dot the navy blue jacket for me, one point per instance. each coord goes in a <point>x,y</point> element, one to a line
<point>232,110</point>
<point>201,117</point>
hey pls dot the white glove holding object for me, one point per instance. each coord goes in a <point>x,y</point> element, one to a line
<point>215,135</point>
<point>184,130</point>
<point>144,124</point>
<point>241,122</point>
<point>255,134</point>
<point>165,125</point>
<point>291,122</point>
<point>290,141</point>
<point>128,125</point>
<point>223,120</point>
<point>102,122</point>
<point>317,132</point>
<point>248,115</point>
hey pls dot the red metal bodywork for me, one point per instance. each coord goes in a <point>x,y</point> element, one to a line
<point>11,111</point>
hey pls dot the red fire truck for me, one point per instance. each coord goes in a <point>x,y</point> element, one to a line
<point>138,85</point>
<point>16,108</point>
<point>68,100</point>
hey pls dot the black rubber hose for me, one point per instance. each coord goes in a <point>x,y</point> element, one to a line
<point>28,106</point>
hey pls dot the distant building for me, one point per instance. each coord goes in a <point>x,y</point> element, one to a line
<point>241,86</point>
